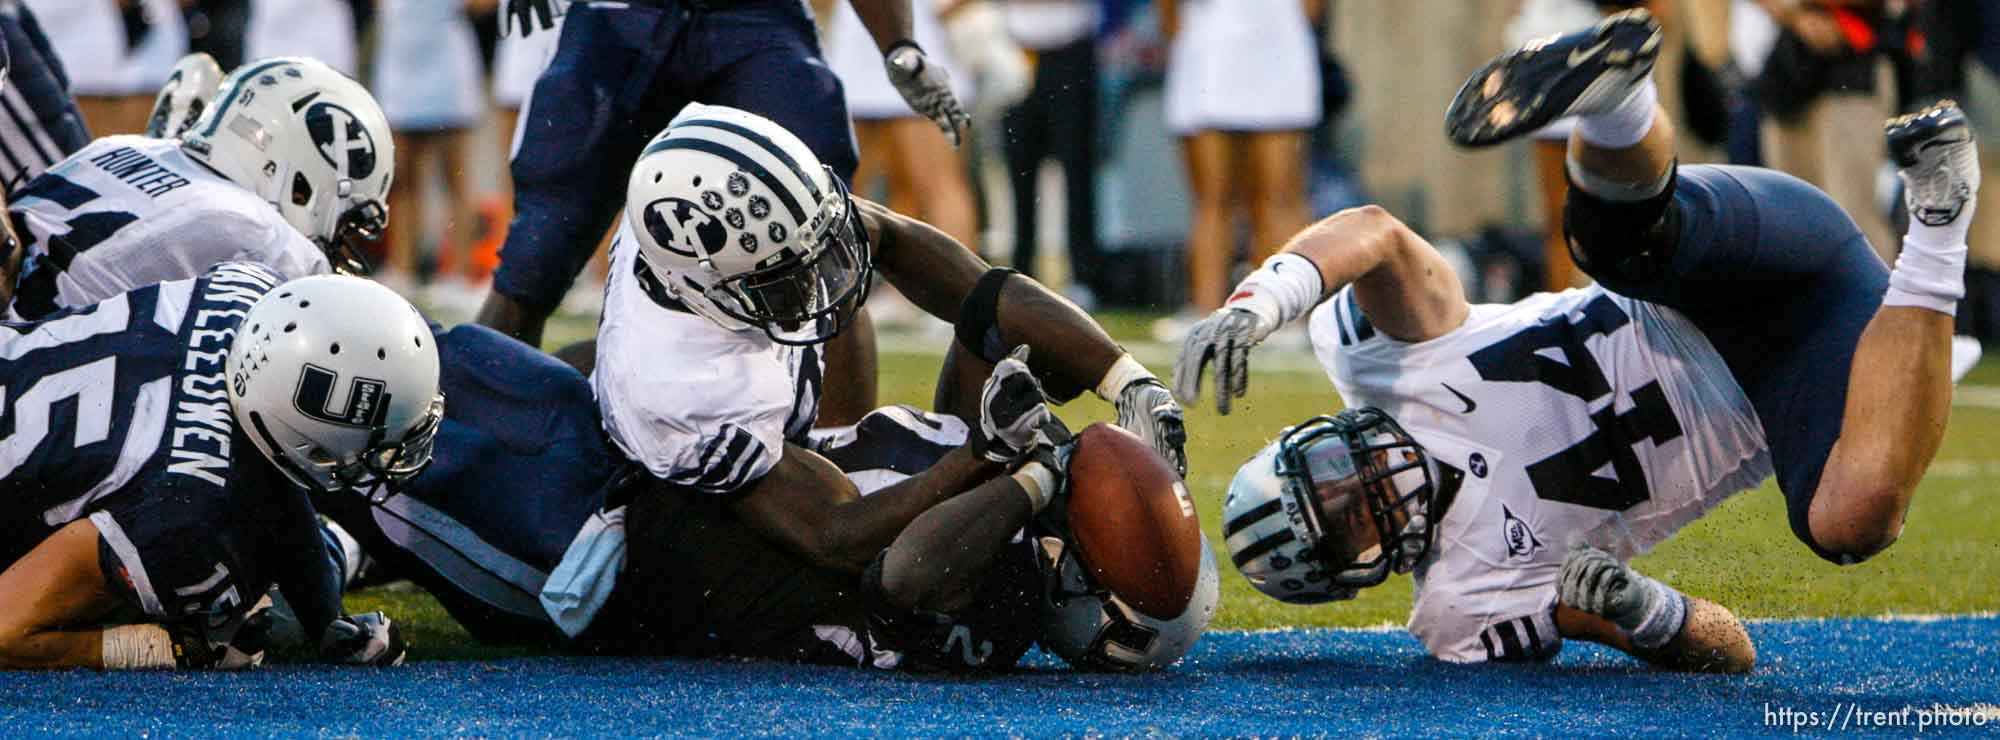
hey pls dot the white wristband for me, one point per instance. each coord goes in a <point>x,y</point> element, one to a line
<point>1039,482</point>
<point>1121,374</point>
<point>1285,288</point>
<point>138,647</point>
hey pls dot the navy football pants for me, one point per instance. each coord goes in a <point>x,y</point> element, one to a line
<point>620,73</point>
<point>1782,282</point>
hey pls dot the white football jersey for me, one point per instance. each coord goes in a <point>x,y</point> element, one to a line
<point>1581,414</point>
<point>697,404</point>
<point>126,212</point>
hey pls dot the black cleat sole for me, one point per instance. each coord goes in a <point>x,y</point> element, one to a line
<point>1528,88</point>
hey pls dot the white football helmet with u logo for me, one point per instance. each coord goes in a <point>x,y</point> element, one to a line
<point>737,220</point>
<point>335,379</point>
<point>310,141</point>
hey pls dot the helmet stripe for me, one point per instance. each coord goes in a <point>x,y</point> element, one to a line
<point>1262,547</point>
<point>763,141</point>
<point>741,160</point>
<point>234,90</point>
<point>1250,517</point>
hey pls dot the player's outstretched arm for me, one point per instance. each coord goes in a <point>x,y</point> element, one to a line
<point>1602,600</point>
<point>1400,281</point>
<point>57,583</point>
<point>807,504</point>
<point>995,311</point>
<point>1712,641</point>
<point>923,84</point>
<point>61,584</point>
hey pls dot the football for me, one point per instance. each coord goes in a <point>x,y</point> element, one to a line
<point>1133,522</point>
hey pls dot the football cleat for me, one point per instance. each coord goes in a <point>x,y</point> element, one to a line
<point>1580,73</point>
<point>1938,161</point>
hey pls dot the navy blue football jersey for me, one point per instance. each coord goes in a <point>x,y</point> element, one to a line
<point>117,412</point>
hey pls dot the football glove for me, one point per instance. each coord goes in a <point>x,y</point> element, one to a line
<point>237,645</point>
<point>1147,408</point>
<point>926,87</point>
<point>1594,581</point>
<point>1012,410</point>
<point>363,639</point>
<point>529,16</point>
<point>1224,338</point>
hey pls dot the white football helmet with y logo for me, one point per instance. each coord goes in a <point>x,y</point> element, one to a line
<point>310,141</point>
<point>738,221</point>
<point>335,379</point>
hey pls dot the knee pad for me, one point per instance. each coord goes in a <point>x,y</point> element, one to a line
<point>1612,241</point>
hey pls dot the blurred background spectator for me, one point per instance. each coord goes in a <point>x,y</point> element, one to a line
<point>216,27</point>
<point>1242,91</point>
<point>1831,77</point>
<point>321,29</point>
<point>1962,32</point>
<point>1056,122</point>
<point>117,53</point>
<point>1191,137</point>
<point>431,84</point>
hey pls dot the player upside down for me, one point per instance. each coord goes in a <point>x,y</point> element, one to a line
<point>1514,456</point>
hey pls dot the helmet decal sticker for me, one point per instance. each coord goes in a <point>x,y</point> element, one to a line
<point>341,140</point>
<point>685,229</point>
<point>366,406</point>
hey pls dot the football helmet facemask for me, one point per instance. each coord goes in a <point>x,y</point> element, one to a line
<point>310,141</point>
<point>738,220</point>
<point>1334,506</point>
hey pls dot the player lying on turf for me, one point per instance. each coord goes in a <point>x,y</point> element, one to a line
<point>287,169</point>
<point>532,529</point>
<point>160,448</point>
<point>1740,326</point>
<point>740,255</point>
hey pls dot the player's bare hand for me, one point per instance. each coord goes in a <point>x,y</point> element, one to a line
<point>927,88</point>
<point>529,16</point>
<point>363,639</point>
<point>1224,339</point>
<point>1012,410</point>
<point>1147,408</point>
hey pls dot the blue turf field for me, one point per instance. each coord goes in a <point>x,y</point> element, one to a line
<point>1340,683</point>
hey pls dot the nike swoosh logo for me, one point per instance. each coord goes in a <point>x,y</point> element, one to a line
<point>1470,405</point>
<point>1580,56</point>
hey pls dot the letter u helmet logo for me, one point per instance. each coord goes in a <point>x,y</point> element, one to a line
<point>365,405</point>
